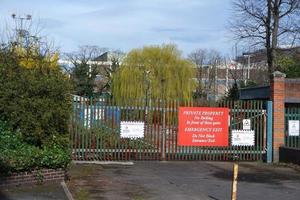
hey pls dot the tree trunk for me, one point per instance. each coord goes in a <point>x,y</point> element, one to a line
<point>268,38</point>
<point>275,26</point>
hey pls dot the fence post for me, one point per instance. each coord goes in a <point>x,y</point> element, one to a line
<point>163,143</point>
<point>269,131</point>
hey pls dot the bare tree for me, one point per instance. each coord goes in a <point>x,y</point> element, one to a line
<point>198,57</point>
<point>85,54</point>
<point>215,61</point>
<point>268,23</point>
<point>207,63</point>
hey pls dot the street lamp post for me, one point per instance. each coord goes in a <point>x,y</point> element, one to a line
<point>147,85</point>
<point>248,55</point>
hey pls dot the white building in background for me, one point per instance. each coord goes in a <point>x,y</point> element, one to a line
<point>217,80</point>
<point>102,62</point>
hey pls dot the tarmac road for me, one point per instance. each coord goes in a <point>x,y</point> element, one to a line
<point>183,181</point>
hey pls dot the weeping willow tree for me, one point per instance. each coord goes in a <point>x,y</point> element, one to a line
<point>154,72</point>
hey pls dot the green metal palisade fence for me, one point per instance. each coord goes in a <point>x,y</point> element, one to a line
<point>95,131</point>
<point>291,113</point>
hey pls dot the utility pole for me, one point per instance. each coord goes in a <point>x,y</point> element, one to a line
<point>226,83</point>
<point>248,70</point>
<point>216,80</point>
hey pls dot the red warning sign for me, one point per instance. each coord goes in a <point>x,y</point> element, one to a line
<point>203,126</point>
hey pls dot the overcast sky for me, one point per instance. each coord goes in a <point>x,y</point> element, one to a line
<point>127,24</point>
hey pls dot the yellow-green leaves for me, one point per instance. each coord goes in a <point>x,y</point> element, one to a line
<point>31,58</point>
<point>154,72</point>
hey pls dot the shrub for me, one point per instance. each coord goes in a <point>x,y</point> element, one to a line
<point>55,153</point>
<point>17,155</point>
<point>36,101</point>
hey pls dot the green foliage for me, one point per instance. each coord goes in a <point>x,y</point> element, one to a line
<point>233,93</point>
<point>85,69</point>
<point>154,72</point>
<point>56,152</point>
<point>55,157</point>
<point>17,155</point>
<point>35,101</point>
<point>83,79</point>
<point>39,177</point>
<point>290,65</point>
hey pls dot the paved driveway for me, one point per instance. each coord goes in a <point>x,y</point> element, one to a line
<point>183,180</point>
<point>53,191</point>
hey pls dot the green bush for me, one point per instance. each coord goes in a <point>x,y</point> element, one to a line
<point>35,101</point>
<point>17,155</point>
<point>56,153</point>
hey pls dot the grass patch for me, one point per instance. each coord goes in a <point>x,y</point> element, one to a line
<point>82,194</point>
<point>82,170</point>
<point>137,198</point>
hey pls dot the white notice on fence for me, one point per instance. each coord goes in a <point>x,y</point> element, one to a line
<point>242,138</point>
<point>131,129</point>
<point>246,124</point>
<point>293,127</point>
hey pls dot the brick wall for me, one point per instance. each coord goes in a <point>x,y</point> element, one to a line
<point>292,93</point>
<point>278,97</point>
<point>34,177</point>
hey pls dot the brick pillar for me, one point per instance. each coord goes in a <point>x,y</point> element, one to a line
<point>278,97</point>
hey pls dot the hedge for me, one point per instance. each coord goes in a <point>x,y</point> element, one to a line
<point>17,155</point>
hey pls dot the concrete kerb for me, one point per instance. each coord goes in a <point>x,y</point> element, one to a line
<point>103,162</point>
<point>66,190</point>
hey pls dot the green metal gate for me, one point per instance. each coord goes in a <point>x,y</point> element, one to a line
<point>291,113</point>
<point>95,131</point>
